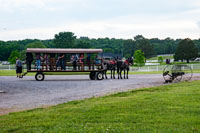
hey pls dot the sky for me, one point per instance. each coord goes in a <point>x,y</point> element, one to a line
<point>42,19</point>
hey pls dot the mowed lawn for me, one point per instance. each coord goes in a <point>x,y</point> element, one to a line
<point>169,108</point>
<point>13,73</point>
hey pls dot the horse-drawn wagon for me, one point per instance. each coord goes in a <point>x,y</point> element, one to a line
<point>43,61</point>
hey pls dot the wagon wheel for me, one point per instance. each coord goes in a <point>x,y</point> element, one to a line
<point>39,76</point>
<point>186,71</point>
<point>167,74</point>
<point>92,75</point>
<point>99,75</point>
<point>177,73</point>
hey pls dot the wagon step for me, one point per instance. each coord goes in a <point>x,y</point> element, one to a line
<point>24,74</point>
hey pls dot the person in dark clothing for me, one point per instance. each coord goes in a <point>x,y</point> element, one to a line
<point>29,59</point>
<point>62,61</point>
<point>74,61</point>
<point>19,67</point>
<point>58,62</point>
<point>88,60</point>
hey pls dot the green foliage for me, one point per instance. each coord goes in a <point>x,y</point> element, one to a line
<point>150,47</point>
<point>82,44</point>
<point>64,40</point>
<point>139,58</point>
<point>186,50</point>
<point>14,54</point>
<point>128,47</point>
<point>37,44</point>
<point>108,50</point>
<point>169,108</point>
<point>160,59</point>
<point>144,45</point>
<point>23,55</point>
<point>127,56</point>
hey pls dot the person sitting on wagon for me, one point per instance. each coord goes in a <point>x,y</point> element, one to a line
<point>74,61</point>
<point>81,61</point>
<point>88,60</point>
<point>58,62</point>
<point>52,61</point>
<point>46,61</point>
<point>97,60</point>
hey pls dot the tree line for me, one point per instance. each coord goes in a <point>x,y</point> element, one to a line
<point>127,47</point>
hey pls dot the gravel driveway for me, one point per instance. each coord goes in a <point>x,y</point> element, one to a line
<point>26,93</point>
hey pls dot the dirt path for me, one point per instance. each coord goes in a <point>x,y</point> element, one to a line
<point>26,93</point>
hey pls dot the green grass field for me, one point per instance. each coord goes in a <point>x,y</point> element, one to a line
<point>13,73</point>
<point>170,108</point>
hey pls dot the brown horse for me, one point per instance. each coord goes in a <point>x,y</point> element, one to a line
<point>110,65</point>
<point>123,66</point>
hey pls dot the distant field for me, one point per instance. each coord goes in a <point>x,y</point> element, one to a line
<point>169,108</point>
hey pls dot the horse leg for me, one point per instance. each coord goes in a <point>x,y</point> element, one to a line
<point>121,73</point>
<point>105,74</point>
<point>118,72</point>
<point>114,74</point>
<point>127,73</point>
<point>124,73</point>
<point>111,73</point>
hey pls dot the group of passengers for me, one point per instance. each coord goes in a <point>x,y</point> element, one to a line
<point>45,63</point>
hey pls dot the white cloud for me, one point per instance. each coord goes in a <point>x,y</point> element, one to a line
<point>114,18</point>
<point>112,28</point>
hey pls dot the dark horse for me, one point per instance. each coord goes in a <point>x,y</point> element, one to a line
<point>123,66</point>
<point>110,65</point>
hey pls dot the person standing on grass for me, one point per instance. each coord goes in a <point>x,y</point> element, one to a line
<point>19,68</point>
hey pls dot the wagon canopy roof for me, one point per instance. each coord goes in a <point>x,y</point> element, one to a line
<point>59,50</point>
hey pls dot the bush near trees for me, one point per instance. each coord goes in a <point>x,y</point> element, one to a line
<point>82,44</point>
<point>139,58</point>
<point>144,45</point>
<point>15,54</point>
<point>37,44</point>
<point>64,40</point>
<point>160,59</point>
<point>186,50</point>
